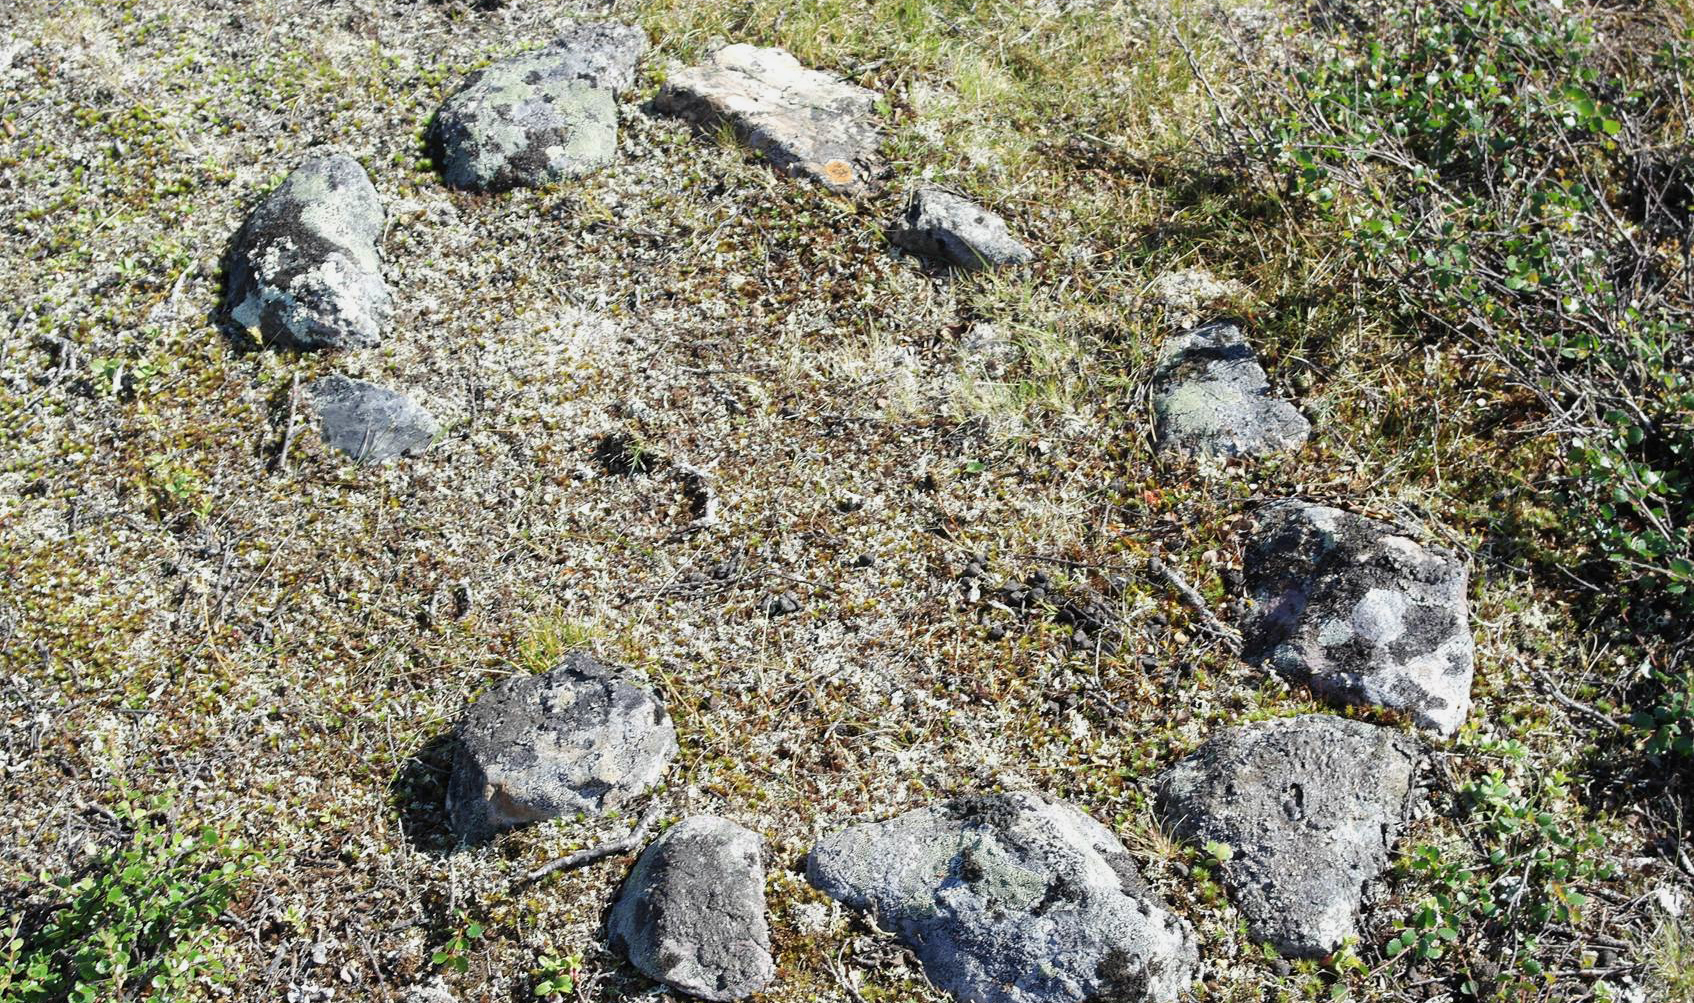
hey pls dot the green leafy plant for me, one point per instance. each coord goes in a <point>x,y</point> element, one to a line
<point>454,953</point>
<point>139,923</point>
<point>556,976</point>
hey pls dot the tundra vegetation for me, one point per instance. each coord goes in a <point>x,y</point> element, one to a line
<point>877,532</point>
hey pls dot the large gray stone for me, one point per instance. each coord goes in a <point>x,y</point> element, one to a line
<point>1011,898</point>
<point>1360,612</point>
<point>603,54</point>
<point>1309,807</point>
<point>1211,398</point>
<point>692,911</point>
<point>806,122</point>
<point>956,231</point>
<point>525,122</point>
<point>369,423</point>
<point>577,738</point>
<point>303,270</point>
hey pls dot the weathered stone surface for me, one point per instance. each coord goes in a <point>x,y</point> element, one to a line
<point>692,911</point>
<point>574,739</point>
<point>603,54</point>
<point>956,231</point>
<point>1309,807</point>
<point>808,123</point>
<point>525,122</point>
<point>1211,398</point>
<point>1360,612</point>
<point>303,269</point>
<point>369,423</point>
<point>1012,899</point>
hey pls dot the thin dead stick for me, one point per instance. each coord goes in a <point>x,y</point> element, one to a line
<point>1192,598</point>
<point>582,858</point>
<point>1579,707</point>
<point>288,433</point>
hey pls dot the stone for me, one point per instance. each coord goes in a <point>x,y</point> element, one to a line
<point>1211,398</point>
<point>691,914</point>
<point>1359,612</point>
<point>1012,898</point>
<point>577,738</point>
<point>303,269</point>
<point>369,423</point>
<point>806,122</point>
<point>602,54</point>
<point>956,231</point>
<point>1309,807</point>
<point>528,121</point>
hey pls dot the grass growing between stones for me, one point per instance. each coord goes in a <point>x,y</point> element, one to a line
<point>285,643</point>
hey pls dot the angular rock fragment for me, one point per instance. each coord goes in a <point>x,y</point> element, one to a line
<point>692,911</point>
<point>956,231</point>
<point>539,117</point>
<point>369,423</point>
<point>1360,613</point>
<point>303,270</point>
<point>574,739</point>
<point>1012,899</point>
<point>1309,807</point>
<point>808,123</point>
<point>1211,398</point>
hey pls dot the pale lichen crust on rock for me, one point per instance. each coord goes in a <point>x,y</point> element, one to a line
<point>956,231</point>
<point>1012,898</point>
<point>1360,612</point>
<point>1212,400</point>
<point>303,270</point>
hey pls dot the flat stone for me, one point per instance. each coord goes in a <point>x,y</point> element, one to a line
<point>1309,807</point>
<point>369,423</point>
<point>303,270</point>
<point>1211,398</point>
<point>1012,898</point>
<point>575,739</point>
<point>956,231</point>
<point>1360,613</point>
<point>806,122</point>
<point>525,122</point>
<point>691,914</point>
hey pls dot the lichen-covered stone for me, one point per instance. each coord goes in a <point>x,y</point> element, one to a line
<point>303,270</point>
<point>603,54</point>
<point>1211,398</point>
<point>526,122</point>
<point>956,231</point>
<point>574,739</point>
<point>1011,898</point>
<point>806,122</point>
<point>1309,807</point>
<point>1360,612</point>
<point>691,914</point>
<point>369,423</point>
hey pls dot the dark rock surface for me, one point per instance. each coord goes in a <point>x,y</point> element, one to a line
<point>808,123</point>
<point>369,423</point>
<point>956,231</point>
<point>577,738</point>
<point>691,914</point>
<point>1309,807</point>
<point>1211,398</point>
<point>303,270</point>
<point>1011,898</point>
<point>1360,612</point>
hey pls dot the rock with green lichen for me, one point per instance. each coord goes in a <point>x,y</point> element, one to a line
<point>1211,398</point>
<point>369,423</point>
<point>956,231</point>
<point>1360,612</point>
<point>1309,807</point>
<point>540,117</point>
<point>692,911</point>
<point>303,270</point>
<point>1011,898</point>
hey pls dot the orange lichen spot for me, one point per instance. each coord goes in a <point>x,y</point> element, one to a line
<point>838,172</point>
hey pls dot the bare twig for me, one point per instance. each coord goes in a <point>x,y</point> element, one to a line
<point>288,433</point>
<point>1579,707</point>
<point>582,858</point>
<point>1192,598</point>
